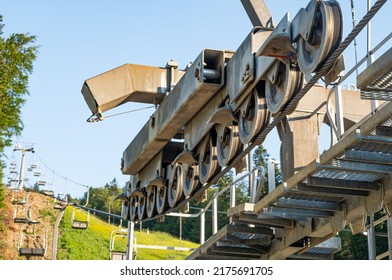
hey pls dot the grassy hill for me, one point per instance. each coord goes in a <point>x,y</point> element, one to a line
<point>93,242</point>
<point>41,209</point>
<point>76,244</point>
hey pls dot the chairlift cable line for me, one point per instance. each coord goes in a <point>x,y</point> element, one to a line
<point>59,175</point>
<point>130,111</point>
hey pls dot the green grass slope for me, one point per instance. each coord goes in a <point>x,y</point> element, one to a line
<point>93,242</point>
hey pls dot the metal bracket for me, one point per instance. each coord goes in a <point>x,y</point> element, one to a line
<point>335,73</point>
<point>185,157</point>
<point>303,21</point>
<point>224,116</point>
<point>258,12</point>
<point>279,44</point>
<point>159,182</point>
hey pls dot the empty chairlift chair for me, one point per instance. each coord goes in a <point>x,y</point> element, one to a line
<point>19,197</point>
<point>33,240</point>
<point>118,250</point>
<point>22,212</point>
<point>58,204</point>
<point>80,218</point>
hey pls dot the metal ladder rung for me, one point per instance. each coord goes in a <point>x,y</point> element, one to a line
<point>308,204</point>
<point>375,82</point>
<point>358,167</point>
<point>376,139</point>
<point>369,157</point>
<point>343,184</point>
<point>333,192</point>
<point>291,213</point>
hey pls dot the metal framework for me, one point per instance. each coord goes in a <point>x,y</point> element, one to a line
<point>226,103</point>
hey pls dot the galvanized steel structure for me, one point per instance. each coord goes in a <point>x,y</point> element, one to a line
<point>212,114</point>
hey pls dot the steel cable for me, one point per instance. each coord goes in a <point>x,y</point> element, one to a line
<point>293,103</point>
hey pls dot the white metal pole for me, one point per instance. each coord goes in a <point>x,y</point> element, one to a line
<point>214,215</point>
<point>271,176</point>
<point>131,231</point>
<point>339,111</point>
<point>251,175</point>
<point>202,228</point>
<point>232,198</point>
<point>180,231</point>
<point>232,195</point>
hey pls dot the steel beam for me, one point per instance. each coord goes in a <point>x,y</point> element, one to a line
<point>375,81</point>
<point>257,11</point>
<point>263,220</point>
<point>366,156</point>
<point>241,208</point>
<point>384,131</point>
<point>294,213</point>
<point>127,83</point>
<point>249,230</point>
<point>308,204</point>
<point>189,95</point>
<point>232,248</point>
<point>326,191</point>
<point>263,241</point>
<point>358,167</point>
<point>342,184</point>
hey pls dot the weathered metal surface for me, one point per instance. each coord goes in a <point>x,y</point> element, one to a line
<point>308,204</point>
<point>154,167</point>
<point>189,95</point>
<point>322,251</point>
<point>375,81</point>
<point>127,83</point>
<point>352,195</point>
<point>199,125</point>
<point>342,183</point>
<point>240,70</point>
<point>258,12</point>
<point>354,175</point>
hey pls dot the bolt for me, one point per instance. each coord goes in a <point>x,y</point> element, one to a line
<point>197,73</point>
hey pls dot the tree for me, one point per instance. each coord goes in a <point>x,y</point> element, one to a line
<point>17,54</point>
<point>103,199</point>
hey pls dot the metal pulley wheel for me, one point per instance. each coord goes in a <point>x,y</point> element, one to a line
<point>228,143</point>
<point>280,85</point>
<point>161,199</point>
<point>208,164</point>
<point>176,186</point>
<point>324,37</point>
<point>141,208</point>
<point>150,201</point>
<point>191,179</point>
<point>133,208</point>
<point>254,116</point>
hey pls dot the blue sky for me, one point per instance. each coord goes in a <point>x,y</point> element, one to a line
<point>81,39</point>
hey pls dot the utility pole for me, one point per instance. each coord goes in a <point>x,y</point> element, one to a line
<point>21,173</point>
